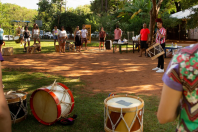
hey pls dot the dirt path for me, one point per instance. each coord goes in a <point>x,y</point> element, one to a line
<point>102,71</point>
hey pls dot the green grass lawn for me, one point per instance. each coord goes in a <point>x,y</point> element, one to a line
<point>88,106</point>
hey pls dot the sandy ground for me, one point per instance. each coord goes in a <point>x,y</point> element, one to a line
<point>102,71</point>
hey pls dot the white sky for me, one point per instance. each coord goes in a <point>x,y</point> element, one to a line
<point>31,4</point>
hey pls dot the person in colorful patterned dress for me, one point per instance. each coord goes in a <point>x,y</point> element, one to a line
<point>180,90</point>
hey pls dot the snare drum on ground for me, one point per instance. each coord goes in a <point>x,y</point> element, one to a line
<point>51,103</point>
<point>123,114</point>
<point>17,102</point>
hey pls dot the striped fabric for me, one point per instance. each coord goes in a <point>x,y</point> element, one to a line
<point>1,34</point>
<point>161,40</point>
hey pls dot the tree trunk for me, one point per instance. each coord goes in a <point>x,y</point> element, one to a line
<point>102,6</point>
<point>106,6</point>
<point>153,16</point>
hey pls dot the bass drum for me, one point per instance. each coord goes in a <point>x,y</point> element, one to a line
<point>17,102</point>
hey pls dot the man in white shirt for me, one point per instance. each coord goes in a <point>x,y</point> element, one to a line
<point>84,34</point>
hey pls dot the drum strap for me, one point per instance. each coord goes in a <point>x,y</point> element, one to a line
<point>14,117</point>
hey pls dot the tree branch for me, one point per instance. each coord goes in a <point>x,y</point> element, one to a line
<point>159,4</point>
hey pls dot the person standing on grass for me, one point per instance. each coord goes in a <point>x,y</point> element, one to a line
<point>160,38</point>
<point>77,39</point>
<point>102,36</point>
<point>55,34</point>
<point>144,38</point>
<point>84,34</point>
<point>26,35</point>
<point>21,35</point>
<point>180,93</point>
<point>36,33</point>
<point>62,39</point>
<point>1,38</point>
<point>117,35</point>
<point>5,119</point>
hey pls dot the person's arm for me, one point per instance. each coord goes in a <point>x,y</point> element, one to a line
<point>169,102</point>
<point>5,119</point>
<point>162,34</point>
<point>53,31</point>
<point>120,34</point>
<point>86,33</point>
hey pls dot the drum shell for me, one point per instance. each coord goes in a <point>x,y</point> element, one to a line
<point>14,105</point>
<point>129,114</point>
<point>157,51</point>
<point>60,107</point>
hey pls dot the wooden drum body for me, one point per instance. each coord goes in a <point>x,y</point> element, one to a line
<point>17,39</point>
<point>123,114</point>
<point>57,49</point>
<point>155,51</point>
<point>17,102</point>
<point>49,104</point>
<point>7,51</point>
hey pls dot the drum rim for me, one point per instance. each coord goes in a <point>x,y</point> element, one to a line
<point>20,119</point>
<point>115,109</point>
<point>56,101</point>
<point>16,100</point>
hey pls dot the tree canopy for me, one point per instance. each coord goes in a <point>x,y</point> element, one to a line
<point>12,12</point>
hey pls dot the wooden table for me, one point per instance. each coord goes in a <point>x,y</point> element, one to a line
<point>133,43</point>
<point>172,48</point>
<point>120,47</point>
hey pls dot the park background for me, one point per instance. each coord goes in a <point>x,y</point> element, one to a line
<point>91,76</point>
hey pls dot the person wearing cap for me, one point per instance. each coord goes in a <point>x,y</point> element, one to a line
<point>160,38</point>
<point>5,119</point>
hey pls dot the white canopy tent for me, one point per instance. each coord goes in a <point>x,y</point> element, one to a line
<point>184,14</point>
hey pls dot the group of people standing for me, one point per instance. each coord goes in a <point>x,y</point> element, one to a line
<point>25,35</point>
<point>80,37</point>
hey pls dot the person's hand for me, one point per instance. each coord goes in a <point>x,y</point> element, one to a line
<point>158,31</point>
<point>147,42</point>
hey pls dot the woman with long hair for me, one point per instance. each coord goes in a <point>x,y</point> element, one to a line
<point>102,36</point>
<point>36,33</point>
<point>77,39</point>
<point>26,35</point>
<point>62,39</point>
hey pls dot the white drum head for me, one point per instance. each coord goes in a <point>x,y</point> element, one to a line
<point>45,106</point>
<point>16,37</point>
<point>123,102</point>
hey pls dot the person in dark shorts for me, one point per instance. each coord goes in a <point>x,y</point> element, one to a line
<point>1,37</point>
<point>77,39</point>
<point>144,37</point>
<point>26,35</point>
<point>102,36</point>
<point>84,34</point>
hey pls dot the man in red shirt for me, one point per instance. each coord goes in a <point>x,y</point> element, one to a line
<point>144,37</point>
